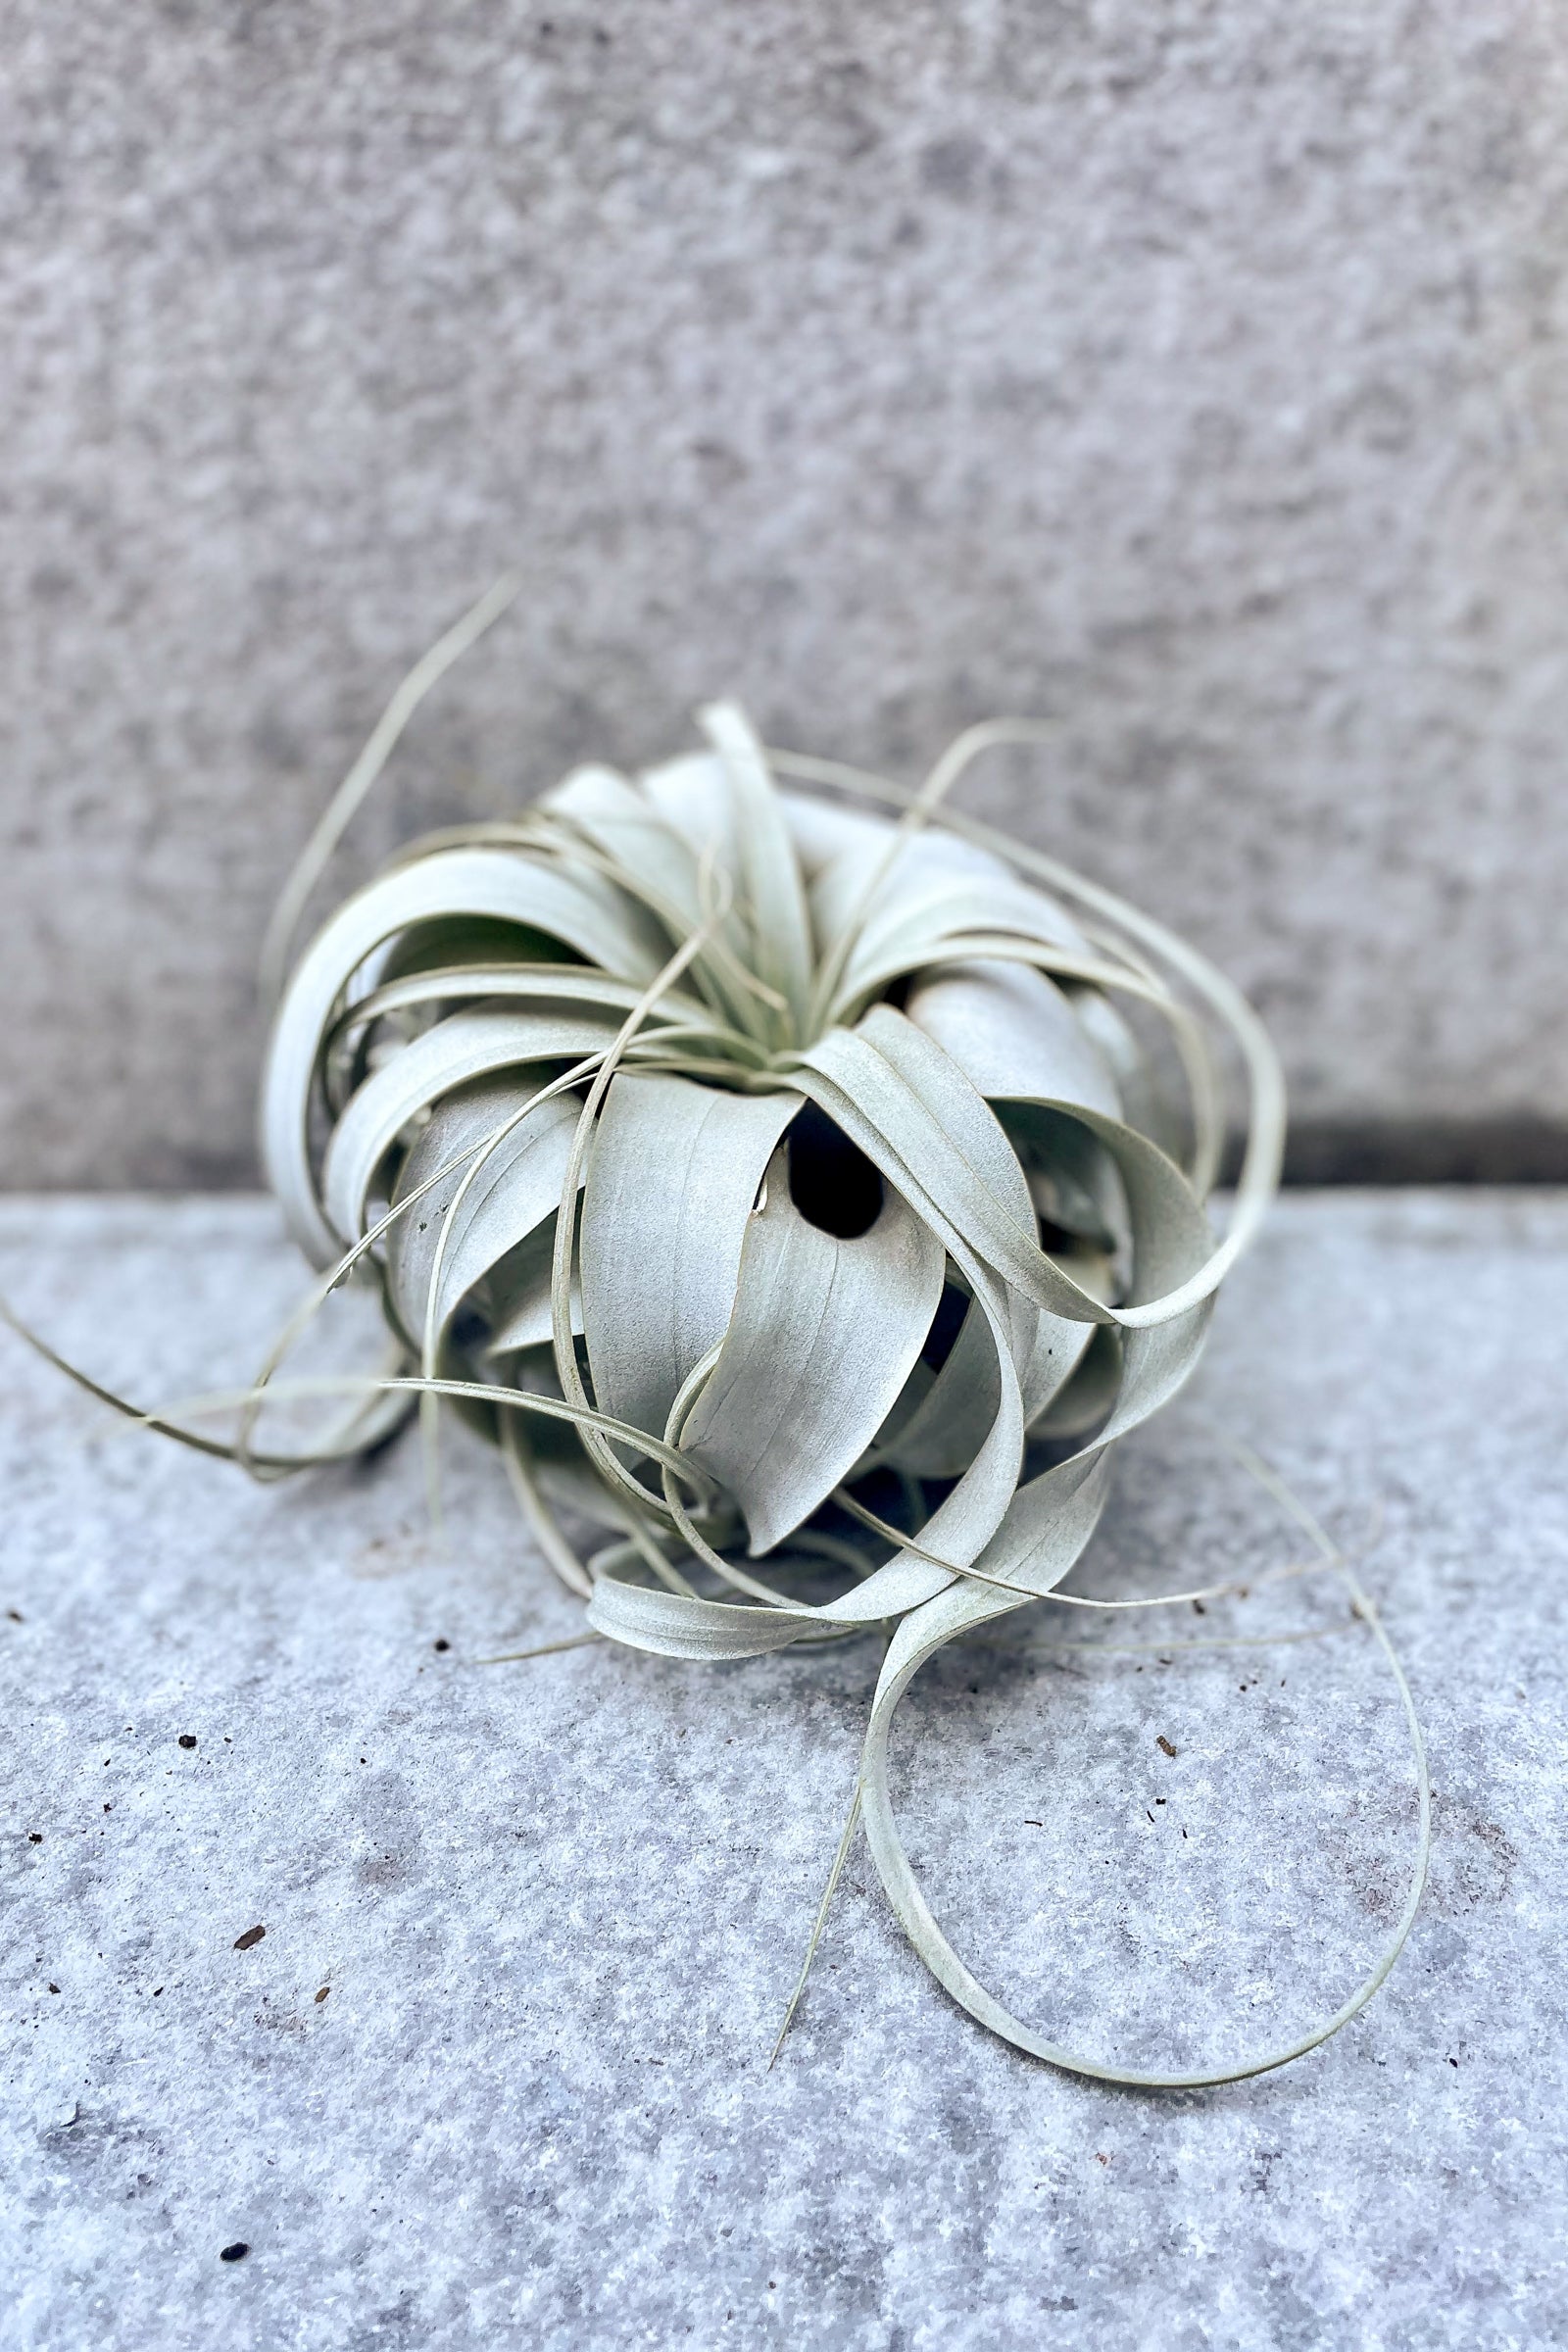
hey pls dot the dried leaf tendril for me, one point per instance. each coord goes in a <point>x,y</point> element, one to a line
<point>790,1190</point>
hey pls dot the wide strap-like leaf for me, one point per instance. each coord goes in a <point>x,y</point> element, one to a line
<point>921,1108</point>
<point>672,1176</point>
<point>947,1428</point>
<point>495,885</point>
<point>468,1046</point>
<point>676,1625</point>
<point>823,1335</point>
<point>964,1521</point>
<point>486,1207</point>
<point>916,1097</point>
<point>1012,1032</point>
<point>916,929</point>
<point>769,873</point>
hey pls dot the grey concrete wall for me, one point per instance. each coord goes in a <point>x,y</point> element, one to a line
<point>1195,373</point>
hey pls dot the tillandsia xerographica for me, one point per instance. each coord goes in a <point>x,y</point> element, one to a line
<point>783,1188</point>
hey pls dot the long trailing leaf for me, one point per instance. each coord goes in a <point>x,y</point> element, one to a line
<point>311,863</point>
<point>964,1609</point>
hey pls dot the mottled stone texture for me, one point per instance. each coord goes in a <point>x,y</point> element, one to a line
<point>1195,374</point>
<point>559,1905</point>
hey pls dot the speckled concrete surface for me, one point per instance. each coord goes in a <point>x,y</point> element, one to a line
<point>559,1905</point>
<point>1197,375</point>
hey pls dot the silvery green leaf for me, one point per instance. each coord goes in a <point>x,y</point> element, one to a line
<point>930,925</point>
<point>915,1096</point>
<point>968,1516</point>
<point>486,1207</point>
<point>634,834</point>
<point>1074,1180</point>
<point>483,883</point>
<point>823,1333</point>
<point>947,1429</point>
<point>769,875</point>
<point>467,1046</point>
<point>860,867</point>
<point>524,1309</point>
<point>674,1626</point>
<point>527,982</point>
<point>940,1438</point>
<point>943,1136</point>
<point>695,798</point>
<point>1144,1104</point>
<point>672,1176</point>
<point>1087,1399</point>
<point>1012,1033</point>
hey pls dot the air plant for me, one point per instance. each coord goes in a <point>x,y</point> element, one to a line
<point>784,1187</point>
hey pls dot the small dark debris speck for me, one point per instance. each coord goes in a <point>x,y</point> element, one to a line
<point>157,1989</point>
<point>321,1995</point>
<point>443,1643</point>
<point>54,1988</point>
<point>1030,1823</point>
<point>15,1616</point>
<point>234,2253</point>
<point>35,1836</point>
<point>1453,2061</point>
<point>187,1738</point>
<point>242,1943</point>
<point>1163,1743</point>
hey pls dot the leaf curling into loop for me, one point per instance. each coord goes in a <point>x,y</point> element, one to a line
<point>920,1099</point>
<point>966,1518</point>
<point>483,883</point>
<point>966,1607</point>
